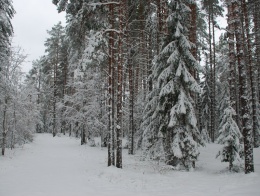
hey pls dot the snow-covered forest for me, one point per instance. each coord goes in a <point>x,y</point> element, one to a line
<point>145,87</point>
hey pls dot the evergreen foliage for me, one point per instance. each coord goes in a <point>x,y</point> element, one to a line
<point>174,109</point>
<point>230,136</point>
<point>6,30</point>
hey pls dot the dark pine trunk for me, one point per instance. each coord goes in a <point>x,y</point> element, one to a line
<point>245,111</point>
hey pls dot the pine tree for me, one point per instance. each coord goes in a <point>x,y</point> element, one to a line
<point>53,48</point>
<point>35,75</point>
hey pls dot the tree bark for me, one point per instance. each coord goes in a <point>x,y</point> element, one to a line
<point>111,153</point>
<point>211,75</point>
<point>252,75</point>
<point>83,135</point>
<point>232,58</point>
<point>119,89</point>
<point>245,111</point>
<point>4,127</point>
<point>131,105</point>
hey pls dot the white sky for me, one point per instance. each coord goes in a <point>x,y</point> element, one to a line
<point>32,20</point>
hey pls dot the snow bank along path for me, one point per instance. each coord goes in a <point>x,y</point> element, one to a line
<point>61,167</point>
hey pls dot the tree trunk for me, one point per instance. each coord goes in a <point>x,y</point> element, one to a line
<point>211,76</point>
<point>214,120</point>
<point>14,129</point>
<point>38,128</point>
<point>230,157</point>
<point>131,105</point>
<point>119,89</point>
<point>70,132</point>
<point>54,131</point>
<point>111,155</point>
<point>64,91</point>
<point>54,116</point>
<point>159,25</point>
<point>245,112</point>
<point>83,135</point>
<point>4,127</point>
<point>232,58</point>
<point>256,20</point>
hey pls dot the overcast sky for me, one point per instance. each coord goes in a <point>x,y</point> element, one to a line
<point>32,20</point>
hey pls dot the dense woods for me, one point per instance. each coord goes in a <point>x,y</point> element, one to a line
<point>149,72</point>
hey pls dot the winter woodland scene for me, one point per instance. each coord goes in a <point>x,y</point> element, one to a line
<point>132,97</point>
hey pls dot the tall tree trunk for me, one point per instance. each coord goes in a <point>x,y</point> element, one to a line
<point>14,129</point>
<point>150,52</point>
<point>4,127</point>
<point>232,58</point>
<point>54,131</point>
<point>130,53</point>
<point>159,25</point>
<point>256,20</point>
<point>64,91</point>
<point>38,128</point>
<point>245,112</point>
<point>131,105</point>
<point>193,39</point>
<point>143,54</point>
<point>193,31</point>
<point>119,88</point>
<point>136,82</point>
<point>211,75</point>
<point>214,120</point>
<point>111,153</point>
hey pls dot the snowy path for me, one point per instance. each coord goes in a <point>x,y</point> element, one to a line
<point>49,166</point>
<point>61,167</point>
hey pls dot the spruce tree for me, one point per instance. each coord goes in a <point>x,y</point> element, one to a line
<point>174,83</point>
<point>205,106</point>
<point>229,136</point>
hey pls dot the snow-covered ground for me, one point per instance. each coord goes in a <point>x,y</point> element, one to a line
<point>61,167</point>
